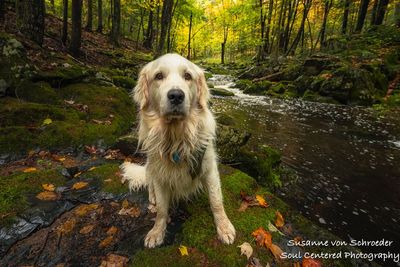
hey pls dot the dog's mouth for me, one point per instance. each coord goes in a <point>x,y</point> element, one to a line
<point>175,114</point>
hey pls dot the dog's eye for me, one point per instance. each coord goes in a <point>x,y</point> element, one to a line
<point>159,76</point>
<point>188,76</point>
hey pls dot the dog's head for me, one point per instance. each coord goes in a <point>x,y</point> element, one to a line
<point>171,86</point>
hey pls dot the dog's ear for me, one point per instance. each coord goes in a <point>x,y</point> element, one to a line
<point>141,91</point>
<point>202,89</point>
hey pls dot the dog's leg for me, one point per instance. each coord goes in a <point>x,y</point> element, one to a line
<point>152,198</point>
<point>156,235</point>
<point>226,231</point>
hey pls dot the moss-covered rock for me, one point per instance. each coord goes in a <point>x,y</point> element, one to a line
<point>221,92</point>
<point>110,113</point>
<point>200,237</point>
<point>62,75</point>
<point>123,81</point>
<point>39,92</point>
<point>258,88</point>
<point>229,141</point>
<point>262,164</point>
<point>278,88</point>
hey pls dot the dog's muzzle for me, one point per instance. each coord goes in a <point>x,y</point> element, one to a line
<point>176,99</point>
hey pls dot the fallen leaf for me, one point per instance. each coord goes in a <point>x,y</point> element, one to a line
<point>263,237</point>
<point>48,187</point>
<point>133,212</point>
<point>66,227</point>
<point>77,174</point>
<point>114,260</point>
<point>91,149</point>
<point>106,242</point>
<point>279,219</point>
<point>125,203</point>
<point>83,209</point>
<point>261,201</point>
<point>47,195</point>
<point>246,249</point>
<point>91,169</point>
<point>276,251</point>
<point>86,229</point>
<point>47,122</point>
<point>112,230</point>
<point>310,262</point>
<point>183,250</point>
<point>30,169</point>
<point>108,180</point>
<point>79,185</point>
<point>273,229</point>
<point>243,206</point>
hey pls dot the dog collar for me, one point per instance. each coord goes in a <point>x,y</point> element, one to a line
<point>197,160</point>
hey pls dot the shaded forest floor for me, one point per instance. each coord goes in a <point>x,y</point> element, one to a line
<point>61,120</point>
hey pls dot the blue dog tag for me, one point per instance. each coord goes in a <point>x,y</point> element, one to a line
<point>175,157</point>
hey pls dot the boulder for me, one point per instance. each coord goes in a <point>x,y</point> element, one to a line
<point>221,92</point>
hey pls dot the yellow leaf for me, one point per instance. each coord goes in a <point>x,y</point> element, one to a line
<point>112,230</point>
<point>277,251</point>
<point>47,195</point>
<point>85,208</point>
<point>261,201</point>
<point>125,203</point>
<point>106,242</point>
<point>30,169</point>
<point>79,185</point>
<point>183,250</point>
<point>66,227</point>
<point>48,187</point>
<point>91,169</point>
<point>47,122</point>
<point>77,174</point>
<point>86,229</point>
<point>279,220</point>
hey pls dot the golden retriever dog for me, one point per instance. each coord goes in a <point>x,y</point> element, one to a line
<point>177,133</point>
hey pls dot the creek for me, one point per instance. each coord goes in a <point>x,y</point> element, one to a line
<point>345,160</point>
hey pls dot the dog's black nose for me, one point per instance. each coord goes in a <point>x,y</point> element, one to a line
<point>176,96</point>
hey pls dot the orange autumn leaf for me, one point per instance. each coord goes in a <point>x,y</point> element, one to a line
<point>279,220</point>
<point>112,230</point>
<point>114,260</point>
<point>263,237</point>
<point>106,242</point>
<point>310,262</point>
<point>83,209</point>
<point>30,169</point>
<point>261,201</point>
<point>66,227</point>
<point>276,251</point>
<point>86,229</point>
<point>48,187</point>
<point>47,195</point>
<point>79,185</point>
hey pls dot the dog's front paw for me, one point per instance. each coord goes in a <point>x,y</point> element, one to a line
<point>154,238</point>
<point>226,232</point>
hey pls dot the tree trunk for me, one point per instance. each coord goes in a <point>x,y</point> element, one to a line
<point>2,10</point>
<point>306,9</point>
<point>380,12</point>
<point>148,41</point>
<point>100,16</point>
<point>345,16</point>
<point>64,35</point>
<point>31,15</point>
<point>362,12</point>
<point>373,12</point>
<point>76,11</point>
<point>142,14</point>
<point>327,7</point>
<point>116,23</point>
<point>169,27</point>
<point>222,53</point>
<point>397,14</point>
<point>165,19</point>
<point>190,34</point>
<point>268,28</point>
<point>89,15</point>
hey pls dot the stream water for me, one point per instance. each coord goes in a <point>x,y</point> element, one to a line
<point>346,160</point>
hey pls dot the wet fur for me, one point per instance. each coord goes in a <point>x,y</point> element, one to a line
<point>160,138</point>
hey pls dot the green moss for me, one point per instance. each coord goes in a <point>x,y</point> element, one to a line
<point>106,174</point>
<point>16,187</point>
<point>21,122</point>
<point>40,92</point>
<point>123,81</point>
<point>62,76</point>
<point>221,92</point>
<point>263,164</point>
<point>200,236</point>
<point>278,88</point>
<point>258,87</point>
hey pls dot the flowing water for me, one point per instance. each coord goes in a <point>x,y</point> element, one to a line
<point>346,160</point>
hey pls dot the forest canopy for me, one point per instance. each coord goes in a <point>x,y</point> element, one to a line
<point>220,30</point>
